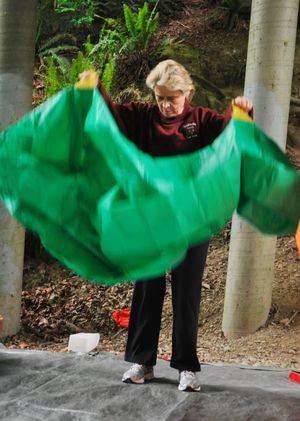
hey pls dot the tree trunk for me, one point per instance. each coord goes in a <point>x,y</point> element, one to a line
<point>269,71</point>
<point>17,42</point>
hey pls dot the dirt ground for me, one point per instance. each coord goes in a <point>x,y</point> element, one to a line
<point>56,302</point>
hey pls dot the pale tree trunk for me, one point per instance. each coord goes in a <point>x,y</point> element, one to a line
<point>269,70</point>
<point>17,42</point>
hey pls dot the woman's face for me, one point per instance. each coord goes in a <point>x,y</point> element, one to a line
<point>170,103</point>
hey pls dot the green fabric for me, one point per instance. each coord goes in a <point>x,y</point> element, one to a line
<point>112,213</point>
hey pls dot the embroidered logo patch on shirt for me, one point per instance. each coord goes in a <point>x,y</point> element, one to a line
<point>189,130</point>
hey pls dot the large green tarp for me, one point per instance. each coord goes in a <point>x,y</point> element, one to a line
<point>113,213</point>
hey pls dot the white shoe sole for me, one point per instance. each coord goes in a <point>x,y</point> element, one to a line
<point>189,388</point>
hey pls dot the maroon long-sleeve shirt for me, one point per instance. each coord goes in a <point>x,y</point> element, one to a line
<point>157,135</point>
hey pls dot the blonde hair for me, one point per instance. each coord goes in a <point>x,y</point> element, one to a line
<point>173,76</point>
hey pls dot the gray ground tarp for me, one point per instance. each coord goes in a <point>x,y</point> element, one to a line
<point>56,386</point>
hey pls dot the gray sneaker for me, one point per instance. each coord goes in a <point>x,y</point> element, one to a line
<point>138,373</point>
<point>188,381</point>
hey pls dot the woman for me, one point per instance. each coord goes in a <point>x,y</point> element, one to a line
<point>169,127</point>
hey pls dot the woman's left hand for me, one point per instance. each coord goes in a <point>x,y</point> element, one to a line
<point>244,103</point>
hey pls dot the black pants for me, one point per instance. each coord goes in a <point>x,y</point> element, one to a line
<point>146,309</point>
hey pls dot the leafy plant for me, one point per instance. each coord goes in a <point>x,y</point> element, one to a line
<point>116,38</point>
<point>108,73</point>
<point>54,81</point>
<point>100,56</point>
<point>111,39</point>
<point>79,65</point>
<point>124,44</point>
<point>119,42</point>
<point>82,12</point>
<point>58,45</point>
<point>140,26</point>
<point>61,74</point>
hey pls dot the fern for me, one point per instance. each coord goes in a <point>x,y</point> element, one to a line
<point>79,65</point>
<point>115,40</point>
<point>109,44</point>
<point>153,20</point>
<point>55,51</point>
<point>141,24</point>
<point>108,74</point>
<point>130,20</point>
<point>60,73</point>
<point>79,12</point>
<point>54,82</point>
<point>62,64</point>
<point>140,27</point>
<point>88,45</point>
<point>58,38</point>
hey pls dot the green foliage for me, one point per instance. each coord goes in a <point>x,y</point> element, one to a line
<point>108,74</point>
<point>98,56</point>
<point>54,81</point>
<point>60,44</point>
<point>82,12</point>
<point>108,46</point>
<point>115,38</point>
<point>79,65</point>
<point>130,20</point>
<point>141,26</point>
<point>88,45</point>
<point>117,41</point>
<point>62,73</point>
<point>121,41</point>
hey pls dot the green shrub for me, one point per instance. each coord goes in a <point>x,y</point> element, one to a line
<point>58,45</point>
<point>108,74</point>
<point>140,26</point>
<point>61,74</point>
<point>118,41</point>
<point>82,12</point>
<point>79,65</point>
<point>54,80</point>
<point>111,39</point>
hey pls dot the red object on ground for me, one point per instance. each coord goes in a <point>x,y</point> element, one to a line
<point>121,317</point>
<point>1,322</point>
<point>294,376</point>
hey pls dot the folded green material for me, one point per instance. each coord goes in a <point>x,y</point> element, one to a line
<point>112,213</point>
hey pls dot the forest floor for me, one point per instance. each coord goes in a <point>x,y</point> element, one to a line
<point>57,303</point>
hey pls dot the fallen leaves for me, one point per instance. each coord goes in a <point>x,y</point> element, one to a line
<point>62,304</point>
